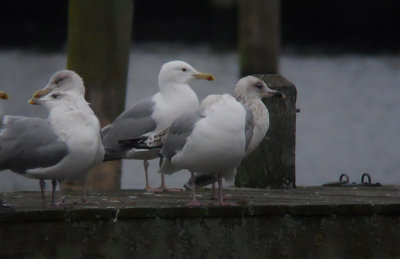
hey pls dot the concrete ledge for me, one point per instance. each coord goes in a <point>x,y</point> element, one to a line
<point>312,222</point>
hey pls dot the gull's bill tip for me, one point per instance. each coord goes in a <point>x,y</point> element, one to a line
<point>206,76</point>
<point>40,93</point>
<point>3,95</point>
<point>33,101</point>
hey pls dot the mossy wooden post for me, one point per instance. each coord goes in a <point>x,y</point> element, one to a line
<point>259,36</point>
<point>273,163</point>
<point>99,37</point>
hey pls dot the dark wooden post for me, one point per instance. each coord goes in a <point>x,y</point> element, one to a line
<point>99,37</point>
<point>273,163</point>
<point>259,36</point>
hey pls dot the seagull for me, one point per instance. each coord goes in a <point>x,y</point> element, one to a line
<point>258,120</point>
<point>214,139</point>
<point>65,145</point>
<point>154,114</point>
<point>66,81</point>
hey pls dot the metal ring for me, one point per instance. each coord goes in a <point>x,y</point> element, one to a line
<point>368,177</point>
<point>341,178</point>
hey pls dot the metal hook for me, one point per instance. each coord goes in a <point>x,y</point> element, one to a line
<point>344,176</point>
<point>368,178</point>
<point>344,180</point>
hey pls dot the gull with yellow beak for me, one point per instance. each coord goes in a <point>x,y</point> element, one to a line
<point>213,140</point>
<point>153,114</point>
<point>63,146</point>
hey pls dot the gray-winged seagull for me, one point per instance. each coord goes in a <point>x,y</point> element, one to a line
<point>65,145</point>
<point>214,139</point>
<point>259,122</point>
<point>153,114</point>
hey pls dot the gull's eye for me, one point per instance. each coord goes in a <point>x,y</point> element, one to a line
<point>184,69</point>
<point>258,85</point>
<point>58,80</point>
<point>55,95</point>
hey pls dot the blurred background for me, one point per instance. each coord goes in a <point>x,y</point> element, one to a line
<point>343,57</point>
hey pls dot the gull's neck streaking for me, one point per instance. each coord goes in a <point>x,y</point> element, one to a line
<point>261,118</point>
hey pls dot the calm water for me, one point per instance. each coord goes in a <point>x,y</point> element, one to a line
<point>349,120</point>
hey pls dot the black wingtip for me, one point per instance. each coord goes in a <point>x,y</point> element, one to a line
<point>110,155</point>
<point>132,141</point>
<point>138,143</point>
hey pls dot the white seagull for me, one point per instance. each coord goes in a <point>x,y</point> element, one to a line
<point>153,114</point>
<point>258,121</point>
<point>214,139</point>
<point>64,146</point>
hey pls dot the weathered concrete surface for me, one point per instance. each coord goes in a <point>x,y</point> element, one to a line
<point>313,222</point>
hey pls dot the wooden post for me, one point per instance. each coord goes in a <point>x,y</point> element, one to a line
<point>259,36</point>
<point>99,37</point>
<point>273,163</point>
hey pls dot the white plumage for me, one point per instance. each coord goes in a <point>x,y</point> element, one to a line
<point>65,145</point>
<point>213,140</point>
<point>75,124</point>
<point>153,114</point>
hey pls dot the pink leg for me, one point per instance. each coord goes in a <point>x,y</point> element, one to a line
<point>194,202</point>
<point>221,199</point>
<point>213,191</point>
<point>53,193</point>
<point>42,185</point>
<point>62,200</point>
<point>146,171</point>
<point>163,187</point>
<point>84,198</point>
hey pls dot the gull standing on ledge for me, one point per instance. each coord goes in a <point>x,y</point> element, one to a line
<point>153,114</point>
<point>67,81</point>
<point>64,146</point>
<point>258,121</point>
<point>213,140</point>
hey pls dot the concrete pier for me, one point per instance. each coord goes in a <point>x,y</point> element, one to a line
<point>312,222</point>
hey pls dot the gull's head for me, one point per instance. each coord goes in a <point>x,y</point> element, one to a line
<point>55,99</point>
<point>252,88</point>
<point>179,72</point>
<point>63,81</point>
<point>3,95</point>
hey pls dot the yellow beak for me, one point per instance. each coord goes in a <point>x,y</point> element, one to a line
<point>33,101</point>
<point>3,95</point>
<point>40,93</point>
<point>205,76</point>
